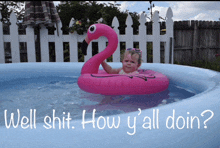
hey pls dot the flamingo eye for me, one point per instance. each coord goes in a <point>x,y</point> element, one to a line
<point>92,29</point>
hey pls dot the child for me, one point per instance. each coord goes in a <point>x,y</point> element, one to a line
<point>130,63</point>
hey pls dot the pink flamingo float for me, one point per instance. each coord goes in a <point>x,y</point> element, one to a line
<point>97,81</point>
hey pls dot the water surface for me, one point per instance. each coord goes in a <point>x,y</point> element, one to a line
<point>62,94</point>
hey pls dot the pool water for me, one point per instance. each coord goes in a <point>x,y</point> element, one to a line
<point>62,94</point>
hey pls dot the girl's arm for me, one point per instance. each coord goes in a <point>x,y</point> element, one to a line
<point>109,69</point>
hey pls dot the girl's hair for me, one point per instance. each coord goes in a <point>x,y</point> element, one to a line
<point>132,52</point>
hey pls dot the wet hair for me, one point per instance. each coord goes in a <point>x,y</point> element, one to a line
<point>132,52</point>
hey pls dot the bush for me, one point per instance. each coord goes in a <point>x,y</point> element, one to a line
<point>204,64</point>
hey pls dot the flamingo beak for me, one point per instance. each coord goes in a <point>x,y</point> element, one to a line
<point>85,45</point>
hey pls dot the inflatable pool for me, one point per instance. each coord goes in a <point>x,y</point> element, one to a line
<point>192,122</point>
<point>94,81</point>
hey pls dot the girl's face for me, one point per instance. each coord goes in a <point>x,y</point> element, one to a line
<point>130,63</point>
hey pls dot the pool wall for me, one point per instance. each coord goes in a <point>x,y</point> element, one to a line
<point>178,124</point>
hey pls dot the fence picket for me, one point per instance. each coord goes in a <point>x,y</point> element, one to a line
<point>15,51</point>
<point>116,55</point>
<point>156,38</point>
<point>142,37</point>
<point>59,43</point>
<point>31,54</point>
<point>169,34</point>
<point>102,43</point>
<point>2,51</point>
<point>129,32</point>
<point>73,47</point>
<point>44,45</point>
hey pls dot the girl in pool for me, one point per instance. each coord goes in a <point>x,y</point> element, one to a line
<point>130,63</point>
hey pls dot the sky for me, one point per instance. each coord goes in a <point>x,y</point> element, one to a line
<point>182,10</point>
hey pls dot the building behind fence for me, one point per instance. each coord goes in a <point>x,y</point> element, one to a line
<point>10,44</point>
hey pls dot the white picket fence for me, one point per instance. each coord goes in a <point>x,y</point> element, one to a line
<point>73,39</point>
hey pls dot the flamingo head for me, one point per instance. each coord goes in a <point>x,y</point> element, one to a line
<point>94,32</point>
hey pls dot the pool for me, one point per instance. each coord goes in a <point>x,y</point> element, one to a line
<point>54,112</point>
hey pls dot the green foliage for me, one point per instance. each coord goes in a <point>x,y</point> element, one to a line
<point>77,26</point>
<point>6,7</point>
<point>85,12</point>
<point>136,23</point>
<point>66,52</point>
<point>110,59</point>
<point>88,12</point>
<point>80,56</point>
<point>215,65</point>
<point>150,52</point>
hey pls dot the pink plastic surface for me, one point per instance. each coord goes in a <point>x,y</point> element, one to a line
<point>147,82</point>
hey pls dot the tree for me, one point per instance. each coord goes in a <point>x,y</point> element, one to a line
<point>89,12</point>
<point>6,7</point>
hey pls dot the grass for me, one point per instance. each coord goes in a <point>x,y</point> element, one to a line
<point>215,65</point>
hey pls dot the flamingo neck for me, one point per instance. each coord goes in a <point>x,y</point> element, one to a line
<point>92,65</point>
